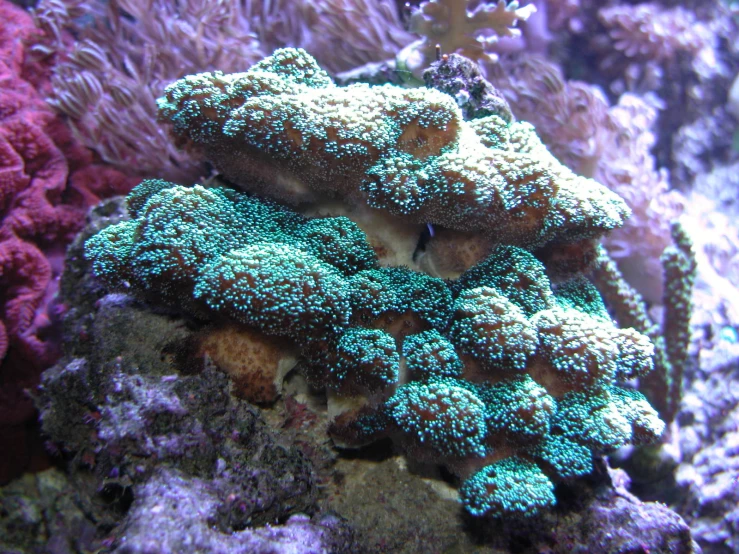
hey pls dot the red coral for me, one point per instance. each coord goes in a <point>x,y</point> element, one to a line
<point>47,180</point>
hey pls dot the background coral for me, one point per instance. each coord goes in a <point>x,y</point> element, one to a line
<point>340,34</point>
<point>679,61</point>
<point>671,336</point>
<point>653,34</point>
<point>463,27</point>
<point>47,180</point>
<point>111,61</point>
<point>612,144</point>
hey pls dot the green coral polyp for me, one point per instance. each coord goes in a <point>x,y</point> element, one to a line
<point>510,487</point>
<point>367,361</point>
<point>580,294</point>
<point>581,349</point>
<point>219,253</point>
<point>565,456</point>
<point>277,288</point>
<point>441,415</point>
<point>429,355</point>
<point>399,290</point>
<point>593,420</point>
<point>405,151</point>
<point>646,426</point>
<point>516,274</point>
<point>493,330</point>
<point>339,242</point>
<point>518,407</point>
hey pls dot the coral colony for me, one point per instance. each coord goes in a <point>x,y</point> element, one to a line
<point>256,256</point>
<point>511,380</point>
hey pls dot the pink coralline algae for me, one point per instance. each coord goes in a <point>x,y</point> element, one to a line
<point>46,182</point>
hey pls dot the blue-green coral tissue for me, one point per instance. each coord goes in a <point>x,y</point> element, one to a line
<point>500,377</point>
<point>284,130</point>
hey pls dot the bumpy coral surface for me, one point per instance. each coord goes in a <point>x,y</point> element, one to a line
<point>284,129</point>
<point>509,381</point>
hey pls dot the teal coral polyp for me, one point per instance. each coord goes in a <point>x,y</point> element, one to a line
<point>511,382</point>
<point>367,361</point>
<point>440,416</point>
<point>277,288</point>
<point>399,290</point>
<point>493,330</point>
<point>491,366</point>
<point>430,355</point>
<point>510,487</point>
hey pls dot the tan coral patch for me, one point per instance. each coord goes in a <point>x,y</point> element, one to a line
<point>255,362</point>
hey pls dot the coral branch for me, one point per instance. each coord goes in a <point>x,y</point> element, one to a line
<point>451,27</point>
<point>672,338</point>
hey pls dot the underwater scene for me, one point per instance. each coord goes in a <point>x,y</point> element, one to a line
<point>369,276</point>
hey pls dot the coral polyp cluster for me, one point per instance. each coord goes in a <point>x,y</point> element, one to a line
<point>284,130</point>
<point>516,387</point>
<point>507,380</point>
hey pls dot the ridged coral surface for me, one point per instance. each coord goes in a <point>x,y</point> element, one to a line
<point>47,181</point>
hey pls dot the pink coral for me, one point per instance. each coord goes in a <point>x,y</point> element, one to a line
<point>46,182</point>
<point>642,41</point>
<point>340,34</point>
<point>107,78</point>
<point>651,32</point>
<point>32,178</point>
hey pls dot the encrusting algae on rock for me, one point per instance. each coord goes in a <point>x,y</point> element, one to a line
<point>508,376</point>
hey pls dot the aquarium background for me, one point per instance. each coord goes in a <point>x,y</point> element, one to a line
<point>135,419</point>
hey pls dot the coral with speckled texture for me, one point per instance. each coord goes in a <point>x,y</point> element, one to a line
<point>500,376</point>
<point>284,129</point>
<point>611,143</point>
<point>168,443</point>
